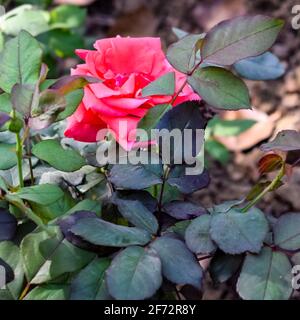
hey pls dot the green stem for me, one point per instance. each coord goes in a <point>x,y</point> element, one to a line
<point>19,152</point>
<point>278,177</point>
<point>165,178</point>
<point>27,211</point>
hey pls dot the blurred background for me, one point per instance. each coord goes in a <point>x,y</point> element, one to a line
<point>232,152</point>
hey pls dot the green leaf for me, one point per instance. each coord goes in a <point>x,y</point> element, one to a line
<point>217,150</point>
<point>68,84</point>
<point>239,38</point>
<point>61,42</point>
<point>27,18</point>
<point>50,102</point>
<point>179,228</point>
<point>86,205</point>
<point>134,274</point>
<point>179,265</point>
<point>236,232</point>
<point>55,209</point>
<point>24,98</point>
<point>224,266</point>
<point>90,282</point>
<point>50,151</point>
<point>136,213</point>
<point>103,233</point>
<point>5,103</point>
<point>10,254</point>
<point>134,177</point>
<point>197,236</point>
<point>287,231</point>
<point>73,100</point>
<point>49,292</point>
<point>264,67</point>
<point>225,206</point>
<point>44,194</point>
<point>152,118</point>
<point>67,17</point>
<point>227,128</point>
<point>179,33</point>
<point>47,257</point>
<point>8,158</point>
<point>285,140</point>
<point>25,52</point>
<point>182,54</point>
<point>266,276</point>
<point>220,88</point>
<point>164,85</point>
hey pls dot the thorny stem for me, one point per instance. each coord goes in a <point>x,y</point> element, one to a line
<point>278,177</point>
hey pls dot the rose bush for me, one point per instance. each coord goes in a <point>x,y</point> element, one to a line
<point>74,228</point>
<point>125,66</point>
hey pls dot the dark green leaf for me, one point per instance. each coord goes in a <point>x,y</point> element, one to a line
<point>136,213</point>
<point>239,38</point>
<point>187,116</point>
<point>8,225</point>
<point>152,118</point>
<point>127,176</point>
<point>264,67</point>
<point>183,209</point>
<point>224,266</point>
<point>287,231</point>
<point>135,273</point>
<point>188,183</point>
<point>90,282</point>
<point>197,236</point>
<point>67,160</point>
<point>220,88</point>
<point>179,265</point>
<point>266,276</point>
<point>100,232</point>
<point>236,232</point>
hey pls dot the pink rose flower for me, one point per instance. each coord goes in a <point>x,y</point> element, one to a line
<point>126,66</point>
